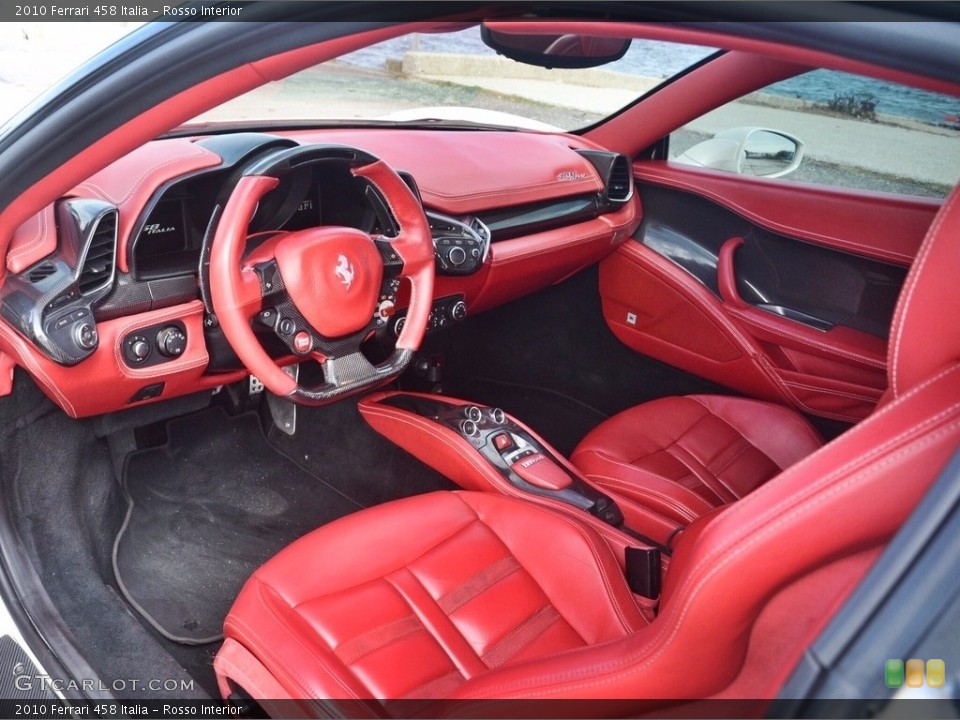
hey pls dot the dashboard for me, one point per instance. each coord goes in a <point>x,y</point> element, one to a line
<point>108,305</point>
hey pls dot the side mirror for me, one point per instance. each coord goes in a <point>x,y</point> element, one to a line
<point>748,151</point>
<point>554,51</point>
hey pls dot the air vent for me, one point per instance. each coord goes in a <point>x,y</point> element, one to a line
<point>99,259</point>
<point>41,272</point>
<point>619,185</point>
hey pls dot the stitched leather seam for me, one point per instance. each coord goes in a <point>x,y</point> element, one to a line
<point>627,486</point>
<point>829,349</point>
<point>903,307</point>
<point>534,626</point>
<point>477,584</point>
<point>829,391</point>
<point>239,627</point>
<point>627,665</point>
<point>688,460</point>
<point>26,356</point>
<point>28,247</point>
<point>370,641</point>
<point>190,152</point>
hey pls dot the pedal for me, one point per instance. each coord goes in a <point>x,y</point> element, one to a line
<point>283,412</point>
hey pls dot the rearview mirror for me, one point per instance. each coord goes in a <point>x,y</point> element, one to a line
<point>748,151</point>
<point>555,51</point>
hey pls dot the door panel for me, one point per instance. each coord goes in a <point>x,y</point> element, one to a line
<point>716,287</point>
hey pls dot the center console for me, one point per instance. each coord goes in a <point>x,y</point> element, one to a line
<point>483,448</point>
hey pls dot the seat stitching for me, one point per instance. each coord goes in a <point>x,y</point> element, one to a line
<point>434,637</point>
<point>626,664</point>
<point>746,447</point>
<point>831,391</point>
<point>426,690</point>
<point>533,627</point>
<point>702,476</point>
<point>591,544</point>
<point>478,583</point>
<point>323,662</point>
<point>637,488</point>
<point>785,414</point>
<point>904,307</point>
<point>369,641</point>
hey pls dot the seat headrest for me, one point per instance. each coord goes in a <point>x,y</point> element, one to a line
<point>925,335</point>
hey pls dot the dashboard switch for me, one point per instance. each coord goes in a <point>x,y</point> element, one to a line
<point>138,349</point>
<point>503,442</point>
<point>85,336</point>
<point>171,341</point>
<point>458,311</point>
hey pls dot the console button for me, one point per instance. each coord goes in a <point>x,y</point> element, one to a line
<point>470,428</point>
<point>472,412</point>
<point>302,343</point>
<point>85,335</point>
<point>138,349</point>
<point>457,256</point>
<point>458,311</point>
<point>503,442</point>
<point>287,326</point>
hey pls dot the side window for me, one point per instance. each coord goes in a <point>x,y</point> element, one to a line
<point>832,128</point>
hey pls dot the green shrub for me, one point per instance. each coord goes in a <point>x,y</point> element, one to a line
<point>862,106</point>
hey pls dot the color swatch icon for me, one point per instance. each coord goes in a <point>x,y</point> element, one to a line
<point>896,673</point>
<point>893,673</point>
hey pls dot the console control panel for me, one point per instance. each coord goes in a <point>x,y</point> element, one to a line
<point>155,344</point>
<point>460,245</point>
<point>446,311</point>
<point>516,454</point>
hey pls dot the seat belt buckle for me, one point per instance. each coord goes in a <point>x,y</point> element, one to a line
<point>643,571</point>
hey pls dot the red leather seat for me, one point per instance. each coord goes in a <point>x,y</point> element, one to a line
<point>411,599</point>
<point>481,597</point>
<point>681,457</point>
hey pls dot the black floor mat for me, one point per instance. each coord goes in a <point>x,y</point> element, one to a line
<point>205,511</point>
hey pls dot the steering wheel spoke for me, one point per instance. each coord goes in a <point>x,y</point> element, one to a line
<point>324,290</point>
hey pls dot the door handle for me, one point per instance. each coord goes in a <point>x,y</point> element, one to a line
<point>727,276</point>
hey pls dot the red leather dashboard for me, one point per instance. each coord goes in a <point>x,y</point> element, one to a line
<point>457,172</point>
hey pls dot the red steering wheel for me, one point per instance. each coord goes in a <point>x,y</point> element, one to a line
<point>322,290</point>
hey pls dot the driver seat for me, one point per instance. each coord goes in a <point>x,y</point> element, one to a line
<point>468,596</point>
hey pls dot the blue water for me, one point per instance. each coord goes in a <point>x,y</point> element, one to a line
<point>651,58</point>
<point>820,86</point>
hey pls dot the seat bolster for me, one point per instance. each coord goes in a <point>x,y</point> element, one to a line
<point>364,546</point>
<point>261,623</point>
<point>570,563</point>
<point>642,429</point>
<point>329,615</point>
<point>641,486</point>
<point>780,433</point>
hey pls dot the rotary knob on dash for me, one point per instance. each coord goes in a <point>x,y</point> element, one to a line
<point>171,341</point>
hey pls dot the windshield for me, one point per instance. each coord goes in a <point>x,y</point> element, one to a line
<point>455,76</point>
